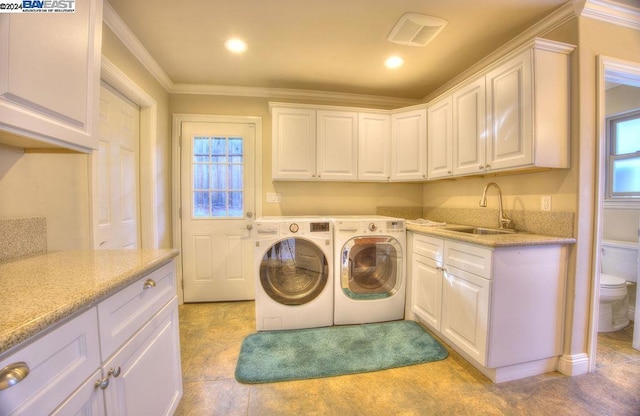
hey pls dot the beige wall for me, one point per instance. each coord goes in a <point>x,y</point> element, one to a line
<point>54,186</point>
<point>300,198</point>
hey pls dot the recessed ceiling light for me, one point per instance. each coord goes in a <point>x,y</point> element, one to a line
<point>235,45</point>
<point>394,62</point>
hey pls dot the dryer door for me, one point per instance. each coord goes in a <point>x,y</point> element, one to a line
<point>294,271</point>
<point>371,267</point>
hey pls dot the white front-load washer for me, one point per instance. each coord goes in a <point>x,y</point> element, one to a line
<point>294,272</point>
<point>370,267</point>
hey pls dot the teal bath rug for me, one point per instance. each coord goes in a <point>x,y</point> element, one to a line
<point>299,354</point>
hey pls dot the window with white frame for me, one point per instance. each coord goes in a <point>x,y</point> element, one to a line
<point>623,162</point>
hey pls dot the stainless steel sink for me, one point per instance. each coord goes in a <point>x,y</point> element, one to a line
<point>481,231</point>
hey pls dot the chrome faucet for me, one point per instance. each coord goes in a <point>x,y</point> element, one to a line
<point>504,220</point>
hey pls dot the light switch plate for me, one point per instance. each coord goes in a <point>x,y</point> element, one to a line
<point>273,197</point>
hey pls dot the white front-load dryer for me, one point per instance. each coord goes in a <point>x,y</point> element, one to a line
<point>370,257</point>
<point>294,272</point>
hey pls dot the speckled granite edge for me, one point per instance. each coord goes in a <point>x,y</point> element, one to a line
<point>556,224</point>
<point>22,237</point>
<point>50,288</point>
<point>501,240</point>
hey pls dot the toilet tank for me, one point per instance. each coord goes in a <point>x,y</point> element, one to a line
<point>620,258</point>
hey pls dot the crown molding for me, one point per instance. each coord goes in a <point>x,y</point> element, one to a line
<point>283,93</point>
<point>131,42</point>
<point>612,12</point>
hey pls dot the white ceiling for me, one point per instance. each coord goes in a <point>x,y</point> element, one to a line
<point>322,45</point>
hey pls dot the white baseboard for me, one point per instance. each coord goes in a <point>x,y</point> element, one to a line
<point>573,365</point>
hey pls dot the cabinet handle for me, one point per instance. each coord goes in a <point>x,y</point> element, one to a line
<point>102,384</point>
<point>487,166</point>
<point>114,371</point>
<point>148,284</point>
<point>13,374</point>
<point>480,167</point>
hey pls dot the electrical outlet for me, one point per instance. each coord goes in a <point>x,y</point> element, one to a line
<point>273,197</point>
<point>545,203</point>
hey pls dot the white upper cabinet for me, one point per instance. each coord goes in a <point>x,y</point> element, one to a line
<point>440,138</point>
<point>528,109</point>
<point>409,145</point>
<point>374,147</point>
<point>337,140</point>
<point>469,121</point>
<point>294,143</point>
<point>514,116</point>
<point>50,77</point>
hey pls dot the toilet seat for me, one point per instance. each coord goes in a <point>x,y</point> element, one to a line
<point>612,282</point>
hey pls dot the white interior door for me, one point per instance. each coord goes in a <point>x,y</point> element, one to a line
<point>217,205</point>
<point>116,173</point>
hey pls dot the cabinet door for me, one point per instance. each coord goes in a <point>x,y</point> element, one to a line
<point>509,110</point>
<point>149,381</point>
<point>469,121</point>
<point>337,145</point>
<point>59,363</point>
<point>49,80</point>
<point>294,143</point>
<point>465,312</point>
<point>409,145</point>
<point>374,147</point>
<point>439,139</point>
<point>426,297</point>
<point>88,400</point>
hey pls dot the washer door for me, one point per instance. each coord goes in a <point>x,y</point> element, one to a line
<point>294,271</point>
<point>371,267</point>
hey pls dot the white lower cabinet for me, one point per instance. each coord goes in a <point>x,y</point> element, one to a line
<point>67,376</point>
<point>149,380</point>
<point>465,311</point>
<point>501,308</point>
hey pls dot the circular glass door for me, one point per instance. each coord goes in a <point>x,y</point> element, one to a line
<point>371,267</point>
<point>294,271</point>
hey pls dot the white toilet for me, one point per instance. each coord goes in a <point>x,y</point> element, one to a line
<point>619,266</point>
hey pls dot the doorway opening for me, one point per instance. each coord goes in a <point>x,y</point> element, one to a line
<point>617,213</point>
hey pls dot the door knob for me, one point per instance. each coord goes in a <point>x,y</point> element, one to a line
<point>249,227</point>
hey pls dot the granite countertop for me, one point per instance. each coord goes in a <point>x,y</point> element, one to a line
<point>496,240</point>
<point>41,290</point>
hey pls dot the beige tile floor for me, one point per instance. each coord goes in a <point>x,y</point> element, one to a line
<point>211,335</point>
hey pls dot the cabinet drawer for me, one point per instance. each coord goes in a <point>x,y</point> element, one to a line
<point>429,247</point>
<point>469,258</point>
<point>59,362</point>
<point>121,315</point>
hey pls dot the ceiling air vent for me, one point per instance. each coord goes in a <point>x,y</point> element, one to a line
<point>416,29</point>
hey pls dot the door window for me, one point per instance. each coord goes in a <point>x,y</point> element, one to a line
<point>217,177</point>
<point>623,179</point>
